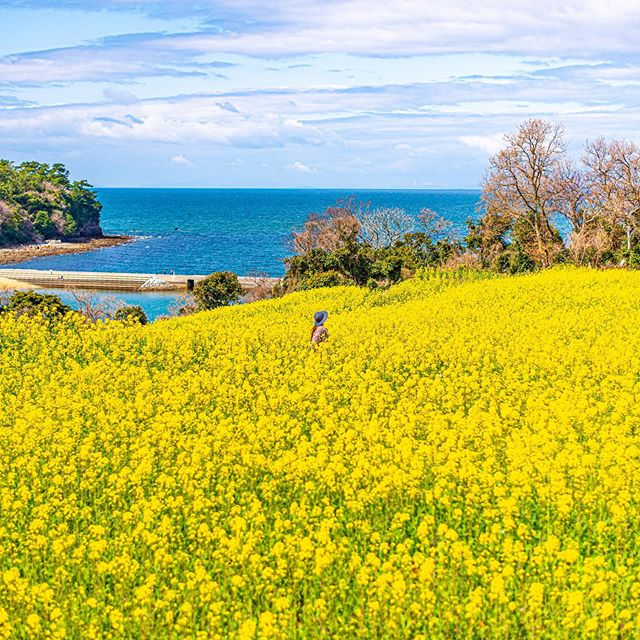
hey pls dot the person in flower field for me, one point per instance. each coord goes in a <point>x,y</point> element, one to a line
<point>319,332</point>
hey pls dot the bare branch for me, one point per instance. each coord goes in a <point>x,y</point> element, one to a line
<point>382,227</point>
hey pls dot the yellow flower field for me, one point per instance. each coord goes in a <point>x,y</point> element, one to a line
<point>461,460</point>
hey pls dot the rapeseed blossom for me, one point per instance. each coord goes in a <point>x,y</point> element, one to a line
<point>462,459</point>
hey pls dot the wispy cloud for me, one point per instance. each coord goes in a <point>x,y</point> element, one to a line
<point>178,120</point>
<point>227,106</point>
<point>411,27</point>
<point>13,101</point>
<point>89,64</point>
<point>487,144</point>
<point>405,27</point>
<point>301,167</point>
<point>182,160</point>
<point>121,96</point>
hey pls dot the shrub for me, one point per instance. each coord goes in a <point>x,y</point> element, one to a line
<point>513,262</point>
<point>385,249</point>
<point>32,303</point>
<point>133,313</point>
<point>217,290</point>
<point>325,279</point>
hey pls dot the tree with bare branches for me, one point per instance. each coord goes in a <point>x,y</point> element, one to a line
<point>328,230</point>
<point>588,241</point>
<point>613,177</point>
<point>383,226</point>
<point>262,287</point>
<point>435,226</point>
<point>521,188</point>
<point>94,307</point>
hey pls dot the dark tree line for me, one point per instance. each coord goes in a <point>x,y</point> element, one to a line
<point>38,201</point>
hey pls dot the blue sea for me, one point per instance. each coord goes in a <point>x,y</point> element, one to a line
<point>198,231</point>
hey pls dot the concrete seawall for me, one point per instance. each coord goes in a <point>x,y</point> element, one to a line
<point>113,281</point>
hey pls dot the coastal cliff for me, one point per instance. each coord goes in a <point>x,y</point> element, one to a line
<point>39,202</point>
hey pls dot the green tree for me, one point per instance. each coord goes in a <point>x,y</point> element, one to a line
<point>133,313</point>
<point>32,304</point>
<point>39,201</point>
<point>322,279</point>
<point>217,290</point>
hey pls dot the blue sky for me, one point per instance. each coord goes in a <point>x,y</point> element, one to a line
<point>307,93</point>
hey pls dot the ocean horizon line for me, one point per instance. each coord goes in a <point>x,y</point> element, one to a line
<point>354,189</point>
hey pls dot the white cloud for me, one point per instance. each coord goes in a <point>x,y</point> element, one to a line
<point>82,64</point>
<point>410,27</point>
<point>489,144</point>
<point>401,27</point>
<point>182,160</point>
<point>301,167</point>
<point>581,28</point>
<point>179,120</point>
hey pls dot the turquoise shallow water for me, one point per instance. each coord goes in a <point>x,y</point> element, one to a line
<point>198,231</point>
<point>154,303</point>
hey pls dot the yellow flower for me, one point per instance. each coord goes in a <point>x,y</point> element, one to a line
<point>461,459</point>
<point>247,630</point>
<point>591,625</point>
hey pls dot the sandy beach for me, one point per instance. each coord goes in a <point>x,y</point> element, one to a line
<point>22,253</point>
<point>9,284</point>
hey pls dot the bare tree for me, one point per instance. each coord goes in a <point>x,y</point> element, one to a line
<point>329,229</point>
<point>382,227</point>
<point>613,175</point>
<point>262,287</point>
<point>588,240</point>
<point>184,305</point>
<point>521,187</point>
<point>435,226</point>
<point>94,308</point>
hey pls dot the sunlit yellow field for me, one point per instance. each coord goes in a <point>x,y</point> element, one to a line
<point>461,460</point>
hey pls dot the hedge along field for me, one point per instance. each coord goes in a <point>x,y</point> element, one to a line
<point>460,460</point>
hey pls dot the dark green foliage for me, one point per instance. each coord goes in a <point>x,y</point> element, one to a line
<point>387,266</point>
<point>38,201</point>
<point>350,263</point>
<point>488,237</point>
<point>513,262</point>
<point>626,257</point>
<point>32,303</point>
<point>133,313</point>
<point>352,260</point>
<point>418,250</point>
<point>217,290</point>
<point>322,279</point>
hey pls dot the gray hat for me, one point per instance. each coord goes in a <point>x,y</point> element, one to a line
<point>320,317</point>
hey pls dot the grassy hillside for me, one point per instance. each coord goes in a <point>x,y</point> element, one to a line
<point>460,460</point>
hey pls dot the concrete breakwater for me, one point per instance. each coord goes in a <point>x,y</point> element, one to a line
<point>114,281</point>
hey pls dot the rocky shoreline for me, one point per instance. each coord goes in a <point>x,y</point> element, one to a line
<point>22,253</point>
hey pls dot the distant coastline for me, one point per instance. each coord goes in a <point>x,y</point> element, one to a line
<point>21,253</point>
